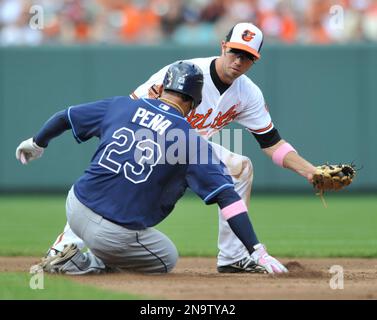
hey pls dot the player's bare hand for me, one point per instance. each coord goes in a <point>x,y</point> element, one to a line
<point>28,150</point>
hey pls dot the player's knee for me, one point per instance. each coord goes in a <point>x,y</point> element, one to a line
<point>245,170</point>
<point>167,258</point>
<point>171,260</point>
<point>239,167</point>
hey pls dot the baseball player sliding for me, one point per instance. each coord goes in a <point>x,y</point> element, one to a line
<point>106,206</point>
<point>228,95</point>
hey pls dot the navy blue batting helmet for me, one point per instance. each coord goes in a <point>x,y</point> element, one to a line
<point>185,78</point>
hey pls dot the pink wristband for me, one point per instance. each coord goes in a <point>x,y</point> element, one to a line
<point>280,153</point>
<point>233,209</point>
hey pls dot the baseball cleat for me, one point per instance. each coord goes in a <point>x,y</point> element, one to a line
<point>245,265</point>
<point>50,255</point>
<point>52,252</point>
<point>52,264</point>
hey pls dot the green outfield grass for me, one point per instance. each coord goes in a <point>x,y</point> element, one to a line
<point>16,285</point>
<point>290,226</point>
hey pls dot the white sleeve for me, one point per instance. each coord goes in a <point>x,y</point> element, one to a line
<point>255,116</point>
<point>156,79</point>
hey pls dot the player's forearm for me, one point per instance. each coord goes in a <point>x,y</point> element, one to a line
<point>285,156</point>
<point>243,229</point>
<point>52,128</point>
<point>298,164</point>
<point>234,211</point>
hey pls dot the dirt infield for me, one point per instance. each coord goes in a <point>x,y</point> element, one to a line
<point>197,278</point>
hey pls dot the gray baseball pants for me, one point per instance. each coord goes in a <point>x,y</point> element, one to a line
<point>115,247</point>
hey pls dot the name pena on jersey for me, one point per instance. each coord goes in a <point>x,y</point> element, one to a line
<point>148,119</point>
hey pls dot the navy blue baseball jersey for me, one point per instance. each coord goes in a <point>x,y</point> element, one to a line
<point>147,156</point>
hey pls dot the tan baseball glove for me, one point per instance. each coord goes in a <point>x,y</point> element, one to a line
<point>333,177</point>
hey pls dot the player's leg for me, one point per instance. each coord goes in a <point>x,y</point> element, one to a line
<point>63,239</point>
<point>231,249</point>
<point>66,238</point>
<point>146,251</point>
<point>114,246</point>
<point>69,258</point>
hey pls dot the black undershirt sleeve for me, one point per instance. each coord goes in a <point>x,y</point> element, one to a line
<point>53,127</point>
<point>240,224</point>
<point>268,139</point>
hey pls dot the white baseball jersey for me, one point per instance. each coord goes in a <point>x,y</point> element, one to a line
<point>242,102</point>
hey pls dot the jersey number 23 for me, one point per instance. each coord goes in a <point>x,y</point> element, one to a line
<point>142,156</point>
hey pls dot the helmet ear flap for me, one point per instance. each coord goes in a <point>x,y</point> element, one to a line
<point>194,106</point>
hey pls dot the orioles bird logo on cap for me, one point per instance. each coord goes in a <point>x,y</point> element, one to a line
<point>247,35</point>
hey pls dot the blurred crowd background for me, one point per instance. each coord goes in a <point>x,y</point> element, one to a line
<point>194,22</point>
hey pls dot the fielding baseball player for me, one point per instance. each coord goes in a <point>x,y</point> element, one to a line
<point>228,95</point>
<point>130,185</point>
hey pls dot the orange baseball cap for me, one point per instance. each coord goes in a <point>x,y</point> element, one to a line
<point>247,37</point>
